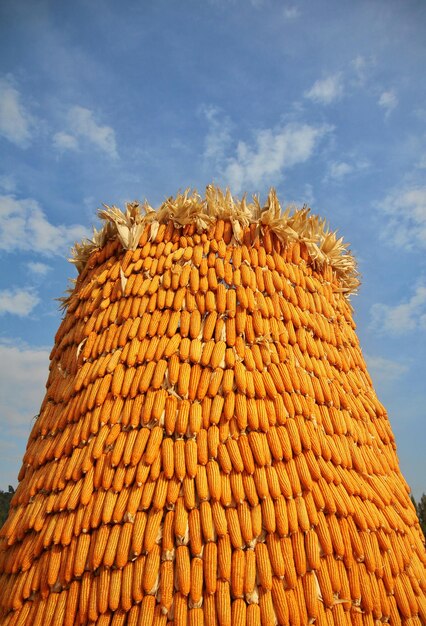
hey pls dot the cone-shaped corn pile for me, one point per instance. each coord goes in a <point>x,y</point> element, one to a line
<point>210,449</point>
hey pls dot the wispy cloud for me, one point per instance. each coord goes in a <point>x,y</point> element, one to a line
<point>38,268</point>
<point>361,69</point>
<point>401,318</point>
<point>7,183</point>
<point>388,101</point>
<point>23,374</point>
<point>274,151</point>
<point>218,138</point>
<point>406,213</point>
<point>421,163</point>
<point>338,170</point>
<point>64,141</point>
<point>17,301</point>
<point>384,370</point>
<point>15,121</point>
<point>82,126</point>
<point>326,90</point>
<point>24,226</point>
<point>291,12</point>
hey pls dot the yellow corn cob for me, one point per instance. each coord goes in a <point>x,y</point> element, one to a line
<point>118,449</point>
<point>101,542</point>
<point>179,459</point>
<point>114,589</point>
<point>279,598</point>
<point>267,613</point>
<point>223,602</point>
<point>246,454</point>
<point>234,528</point>
<point>81,554</point>
<point>123,545</point>
<point>221,298</point>
<point>183,570</point>
<point>250,489</point>
<point>54,565</point>
<point>166,585</point>
<point>194,528</point>
<point>147,611</point>
<point>151,529</point>
<point>151,570</point>
<point>196,584</point>
<point>263,566</point>
<point>153,445</point>
<point>183,379</point>
<point>201,483</point>
<point>180,520</point>
<point>249,573</point>
<point>218,354</point>
<point>238,612</point>
<point>206,518</point>
<point>214,385</point>
<point>111,546</point>
<point>167,455</point>
<point>238,573</point>
<point>210,299</point>
<point>275,555</point>
<point>180,610</point>
<point>219,519</point>
<point>213,479</point>
<point>195,351</point>
<point>235,455</point>
<point>195,418</point>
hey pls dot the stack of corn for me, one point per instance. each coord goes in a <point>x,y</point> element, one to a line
<point>210,449</point>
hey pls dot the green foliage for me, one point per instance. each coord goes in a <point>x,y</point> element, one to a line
<point>421,511</point>
<point>5,498</point>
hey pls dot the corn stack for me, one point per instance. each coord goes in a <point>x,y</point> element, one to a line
<point>210,449</point>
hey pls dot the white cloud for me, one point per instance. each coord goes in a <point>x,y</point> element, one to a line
<point>18,301</point>
<point>326,90</point>
<point>339,169</point>
<point>7,183</point>
<point>421,164</point>
<point>274,151</point>
<point>291,12</point>
<point>24,226</point>
<point>83,126</point>
<point>40,269</point>
<point>65,141</point>
<point>359,65</point>
<point>406,212</point>
<point>362,68</point>
<point>388,101</point>
<point>23,375</point>
<point>403,317</point>
<point>384,370</point>
<point>15,121</point>
<point>218,138</point>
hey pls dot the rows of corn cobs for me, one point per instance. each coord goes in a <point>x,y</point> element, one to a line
<point>210,450</point>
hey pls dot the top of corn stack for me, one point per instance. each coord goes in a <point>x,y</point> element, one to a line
<point>323,245</point>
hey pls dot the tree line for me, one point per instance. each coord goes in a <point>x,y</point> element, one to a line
<point>420,507</point>
<point>5,498</point>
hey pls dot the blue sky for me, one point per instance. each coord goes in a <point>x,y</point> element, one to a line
<point>107,102</point>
